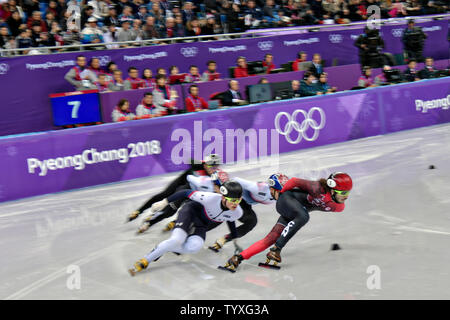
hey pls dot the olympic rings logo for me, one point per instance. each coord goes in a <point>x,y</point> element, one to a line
<point>4,68</point>
<point>302,127</point>
<point>335,38</point>
<point>265,45</point>
<point>189,52</point>
<point>397,32</point>
<point>104,60</point>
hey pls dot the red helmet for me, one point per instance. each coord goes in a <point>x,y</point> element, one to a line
<point>340,181</point>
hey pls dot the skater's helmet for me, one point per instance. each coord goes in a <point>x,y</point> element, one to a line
<point>213,160</point>
<point>277,181</point>
<point>219,177</point>
<point>231,189</point>
<point>340,181</point>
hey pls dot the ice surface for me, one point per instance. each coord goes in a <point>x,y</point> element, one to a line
<point>397,219</point>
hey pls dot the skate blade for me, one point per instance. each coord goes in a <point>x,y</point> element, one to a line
<point>227,269</point>
<point>213,249</point>
<point>132,272</point>
<point>268,266</point>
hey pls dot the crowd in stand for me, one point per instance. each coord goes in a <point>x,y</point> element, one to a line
<point>43,23</point>
<point>160,99</point>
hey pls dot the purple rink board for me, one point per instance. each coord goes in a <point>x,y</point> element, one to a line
<point>55,161</point>
<point>29,80</point>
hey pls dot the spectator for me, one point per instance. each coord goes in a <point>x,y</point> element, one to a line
<point>429,71</point>
<point>36,18</point>
<point>4,37</point>
<point>111,36</point>
<point>146,109</point>
<point>31,6</point>
<point>94,67</point>
<point>142,14</point>
<point>323,86</point>
<point>270,13</point>
<point>127,15</point>
<point>316,65</point>
<point>366,80</point>
<point>268,62</point>
<point>175,76</point>
<point>110,68</point>
<point>133,81</point>
<point>211,74</point>
<point>194,102</point>
<point>234,19</point>
<point>122,111</point>
<point>241,70</point>
<point>14,22</point>
<point>102,83</point>
<point>125,34</point>
<point>209,27</point>
<point>232,97</point>
<point>149,29</point>
<point>11,44</point>
<point>193,28</point>
<point>308,85</point>
<point>188,12</point>
<point>147,79</point>
<point>35,34</point>
<point>411,74</point>
<point>180,29</point>
<point>117,83</point>
<point>86,14</point>
<point>169,30</point>
<point>193,75</point>
<point>55,32</point>
<point>79,76</point>
<point>161,71</point>
<point>46,40</point>
<point>295,89</point>
<point>381,79</point>
<point>163,96</point>
<point>91,33</point>
<point>253,15</point>
<point>413,39</point>
<point>112,18</point>
<point>301,63</point>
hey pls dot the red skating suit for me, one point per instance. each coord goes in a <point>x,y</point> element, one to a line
<point>317,197</point>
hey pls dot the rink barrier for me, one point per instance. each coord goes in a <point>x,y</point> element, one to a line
<point>56,161</point>
<point>29,80</point>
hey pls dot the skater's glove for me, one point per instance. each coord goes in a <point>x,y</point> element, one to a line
<point>160,205</point>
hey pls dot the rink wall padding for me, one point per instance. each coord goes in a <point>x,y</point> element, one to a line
<point>28,80</point>
<point>62,160</point>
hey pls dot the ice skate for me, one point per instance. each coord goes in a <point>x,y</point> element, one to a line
<point>218,244</point>
<point>232,263</point>
<point>169,226</point>
<point>133,216</point>
<point>145,224</point>
<point>138,267</point>
<point>273,259</point>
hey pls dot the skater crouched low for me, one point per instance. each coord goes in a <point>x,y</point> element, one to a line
<point>297,198</point>
<point>196,215</point>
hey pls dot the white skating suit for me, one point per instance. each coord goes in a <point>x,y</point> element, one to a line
<point>212,207</point>
<point>255,192</point>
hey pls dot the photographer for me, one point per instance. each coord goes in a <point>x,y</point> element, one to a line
<point>413,39</point>
<point>370,45</point>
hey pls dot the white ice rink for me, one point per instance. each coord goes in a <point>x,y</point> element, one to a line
<point>397,219</point>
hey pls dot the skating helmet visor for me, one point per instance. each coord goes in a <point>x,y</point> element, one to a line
<point>234,200</point>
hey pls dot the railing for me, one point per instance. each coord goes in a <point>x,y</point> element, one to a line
<point>218,37</point>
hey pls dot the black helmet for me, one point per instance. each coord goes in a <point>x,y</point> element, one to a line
<point>213,160</point>
<point>231,189</point>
